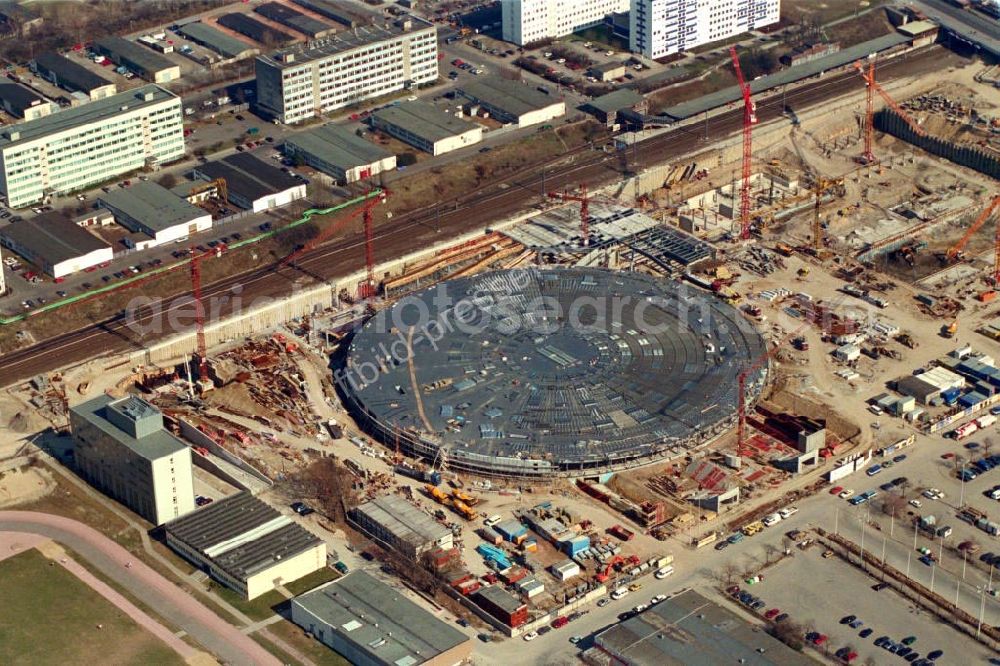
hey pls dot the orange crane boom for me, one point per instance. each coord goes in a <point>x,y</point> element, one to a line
<point>872,85</point>
<point>955,250</point>
<point>749,120</point>
<point>584,200</point>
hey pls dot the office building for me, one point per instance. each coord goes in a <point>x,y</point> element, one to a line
<point>122,449</point>
<point>72,76</point>
<point>155,212</point>
<point>370,61</point>
<point>426,127</point>
<point>659,28</point>
<point>246,544</point>
<point>340,153</point>
<point>22,102</point>
<point>370,623</point>
<point>55,244</point>
<point>395,523</point>
<point>513,102</point>
<point>251,183</point>
<point>79,147</point>
<point>140,60</point>
<point>527,21</point>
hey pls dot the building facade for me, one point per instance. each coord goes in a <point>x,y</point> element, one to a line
<point>327,74</point>
<point>527,21</point>
<point>122,449</point>
<point>426,127</point>
<point>55,244</point>
<point>659,28</point>
<point>339,153</point>
<point>90,144</point>
<point>154,211</point>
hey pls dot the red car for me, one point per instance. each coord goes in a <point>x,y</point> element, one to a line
<point>850,656</point>
<point>771,614</point>
<point>819,640</point>
<point>836,490</point>
<point>946,456</point>
<point>560,621</point>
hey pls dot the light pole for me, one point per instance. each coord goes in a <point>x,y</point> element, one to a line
<point>961,491</point>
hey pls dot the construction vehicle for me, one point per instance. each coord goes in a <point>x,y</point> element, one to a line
<point>621,533</point>
<point>949,330</point>
<point>463,509</point>
<point>461,496</point>
<point>437,494</point>
<point>603,575</point>
<point>784,249</point>
<point>956,251</point>
<point>749,120</point>
<point>872,86</point>
<point>906,340</point>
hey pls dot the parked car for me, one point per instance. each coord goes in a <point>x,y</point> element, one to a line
<point>302,508</point>
<point>342,568</point>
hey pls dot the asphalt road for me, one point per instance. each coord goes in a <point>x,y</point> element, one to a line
<point>476,209</point>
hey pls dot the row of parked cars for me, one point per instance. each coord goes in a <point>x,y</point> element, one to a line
<point>905,650</point>
<point>973,470</point>
<point>756,526</point>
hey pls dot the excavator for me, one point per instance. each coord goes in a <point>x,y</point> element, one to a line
<point>949,330</point>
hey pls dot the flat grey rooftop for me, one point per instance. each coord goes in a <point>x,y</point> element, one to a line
<point>405,521</point>
<point>366,612</point>
<point>69,73</point>
<point>514,97</point>
<point>220,42</point>
<point>136,54</point>
<point>153,446</point>
<point>424,120</point>
<point>339,146</point>
<point>19,97</point>
<point>52,236</point>
<point>152,205</point>
<point>248,176</point>
<point>94,112</point>
<point>622,98</point>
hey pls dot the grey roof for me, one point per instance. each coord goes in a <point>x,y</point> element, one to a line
<point>338,145</point>
<point>295,19</point>
<point>345,41</point>
<point>152,446</point>
<point>513,97</point>
<point>254,29</point>
<point>342,13</point>
<point>500,598</point>
<point>971,25</point>
<point>18,97</point>
<point>402,519</point>
<point>622,98</point>
<point>152,205</point>
<point>786,76</point>
<point>248,177</point>
<point>913,385</point>
<point>71,74</point>
<point>134,55</point>
<point>424,120</point>
<point>605,67</point>
<point>364,611</point>
<point>18,11</point>
<point>220,42</point>
<point>93,112</point>
<point>233,520</point>
<point>52,237</point>
<point>690,630</point>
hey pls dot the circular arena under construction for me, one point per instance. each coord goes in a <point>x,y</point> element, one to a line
<point>545,372</point>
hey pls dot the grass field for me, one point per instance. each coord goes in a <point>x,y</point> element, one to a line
<point>48,616</point>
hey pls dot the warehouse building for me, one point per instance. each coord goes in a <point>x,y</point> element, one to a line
<point>55,244</point>
<point>75,148</point>
<point>138,59</point>
<point>251,183</point>
<point>370,623</point>
<point>339,153</point>
<point>513,102</point>
<point>369,61</point>
<point>246,544</point>
<point>608,71</point>
<point>74,77</point>
<point>342,13</point>
<point>225,45</point>
<point>285,15</point>
<point>153,210</point>
<point>426,127</point>
<point>395,523</point>
<point>22,102</point>
<point>122,449</point>
<point>256,30</point>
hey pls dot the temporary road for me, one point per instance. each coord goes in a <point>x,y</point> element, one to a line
<point>429,225</point>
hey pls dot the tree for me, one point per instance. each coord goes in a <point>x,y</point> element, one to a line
<point>167,180</point>
<point>297,237</point>
<point>757,62</point>
<point>987,445</point>
<point>771,553</point>
<point>893,505</point>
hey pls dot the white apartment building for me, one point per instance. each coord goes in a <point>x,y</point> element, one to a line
<point>82,146</point>
<point>352,66</point>
<point>659,28</point>
<point>527,21</point>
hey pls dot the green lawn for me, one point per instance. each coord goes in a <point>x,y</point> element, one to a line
<point>315,579</point>
<point>48,616</point>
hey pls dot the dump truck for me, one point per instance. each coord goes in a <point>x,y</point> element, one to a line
<point>437,494</point>
<point>464,497</point>
<point>621,533</point>
<point>463,509</point>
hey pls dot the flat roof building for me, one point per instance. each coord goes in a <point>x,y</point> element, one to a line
<point>155,211</point>
<point>343,13</point>
<point>513,102</point>
<point>246,544</point>
<point>607,107</point>
<point>256,30</point>
<point>370,623</point>
<point>426,127</point>
<point>340,153</point>
<point>122,449</point>
<point>142,61</point>
<point>23,102</point>
<point>225,45</point>
<point>690,630</point>
<point>608,71</point>
<point>55,244</point>
<point>397,524</point>
<point>326,74</point>
<point>78,147</point>
<point>74,77</point>
<point>285,15</point>
<point>502,605</point>
<point>252,183</point>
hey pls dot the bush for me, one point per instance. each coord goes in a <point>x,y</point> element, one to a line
<point>406,159</point>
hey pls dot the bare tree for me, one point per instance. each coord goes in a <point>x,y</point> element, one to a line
<point>893,505</point>
<point>987,445</point>
<point>771,553</point>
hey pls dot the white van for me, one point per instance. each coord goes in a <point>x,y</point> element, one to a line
<point>664,572</point>
<point>619,593</point>
<point>492,520</point>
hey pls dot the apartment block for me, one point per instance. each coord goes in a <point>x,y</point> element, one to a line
<point>527,21</point>
<point>76,148</point>
<point>659,28</point>
<point>370,61</point>
<point>122,448</point>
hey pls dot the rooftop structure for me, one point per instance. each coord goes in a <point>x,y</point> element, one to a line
<point>254,29</point>
<point>400,525</point>
<point>145,62</point>
<point>607,107</point>
<point>55,244</point>
<point>225,45</point>
<point>156,211</point>
<point>526,393</point>
<point>340,153</point>
<point>372,624</point>
<point>252,183</point>
<point>72,76</point>
<point>688,629</point>
<point>426,127</point>
<point>23,102</point>
<point>247,544</point>
<point>513,101</point>
<point>295,19</point>
<point>343,13</point>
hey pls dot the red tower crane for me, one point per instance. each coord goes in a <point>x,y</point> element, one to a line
<point>749,120</point>
<point>584,200</point>
<point>199,307</point>
<point>868,157</point>
<point>956,250</point>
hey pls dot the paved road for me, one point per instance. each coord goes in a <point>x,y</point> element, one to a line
<point>215,634</point>
<point>474,210</point>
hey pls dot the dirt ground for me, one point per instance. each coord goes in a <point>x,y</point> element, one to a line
<point>25,484</point>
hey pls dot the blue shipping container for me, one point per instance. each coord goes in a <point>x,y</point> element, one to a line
<point>575,545</point>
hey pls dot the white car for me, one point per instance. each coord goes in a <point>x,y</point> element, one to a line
<point>771,519</point>
<point>640,608</point>
<point>844,494</point>
<point>531,635</point>
<point>933,493</point>
<point>619,593</point>
<point>492,520</point>
<point>916,503</point>
<point>657,599</point>
<point>788,511</point>
<point>664,572</point>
